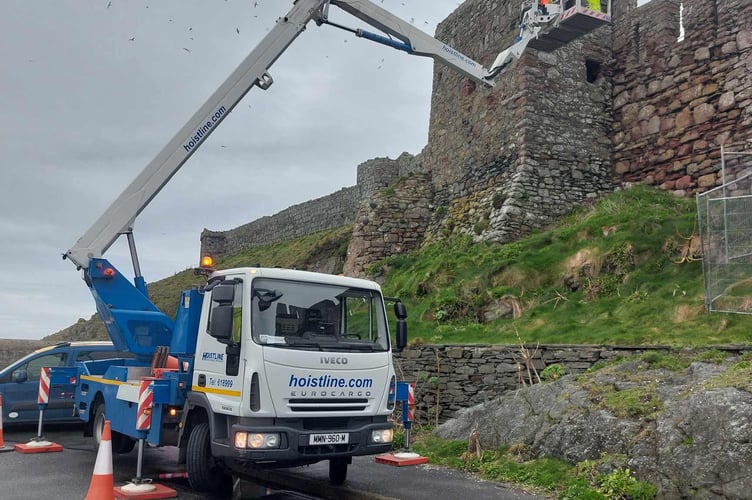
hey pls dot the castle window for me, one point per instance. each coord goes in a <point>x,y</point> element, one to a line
<point>592,70</point>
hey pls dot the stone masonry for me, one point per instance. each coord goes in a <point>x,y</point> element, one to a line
<point>516,157</point>
<point>627,103</point>
<point>676,102</point>
<point>449,378</point>
<point>328,212</point>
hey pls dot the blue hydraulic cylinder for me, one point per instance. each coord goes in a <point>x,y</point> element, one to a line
<point>389,42</point>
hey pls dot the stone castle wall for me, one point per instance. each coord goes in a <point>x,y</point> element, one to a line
<point>675,102</point>
<point>627,103</point>
<point>391,222</point>
<point>334,210</point>
<point>525,152</point>
<point>328,212</point>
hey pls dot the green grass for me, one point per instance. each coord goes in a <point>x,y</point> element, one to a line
<point>605,274</point>
<point>552,477</point>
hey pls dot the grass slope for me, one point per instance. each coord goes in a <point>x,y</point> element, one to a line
<point>615,273</point>
<point>610,273</point>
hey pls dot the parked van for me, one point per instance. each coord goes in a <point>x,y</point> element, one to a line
<point>19,382</point>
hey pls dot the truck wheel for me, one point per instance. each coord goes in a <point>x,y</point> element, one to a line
<point>338,470</point>
<point>120,442</point>
<point>203,472</point>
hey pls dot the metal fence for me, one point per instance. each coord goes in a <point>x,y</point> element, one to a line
<point>724,217</point>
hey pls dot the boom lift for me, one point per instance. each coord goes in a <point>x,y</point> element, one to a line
<point>261,367</point>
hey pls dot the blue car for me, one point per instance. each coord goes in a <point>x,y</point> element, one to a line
<point>19,382</point>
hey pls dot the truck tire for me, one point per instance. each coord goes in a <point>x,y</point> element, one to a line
<point>338,470</point>
<point>121,443</point>
<point>203,472</point>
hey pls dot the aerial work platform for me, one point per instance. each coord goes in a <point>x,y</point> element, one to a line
<point>572,19</point>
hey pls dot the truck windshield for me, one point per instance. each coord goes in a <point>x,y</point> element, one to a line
<point>314,316</point>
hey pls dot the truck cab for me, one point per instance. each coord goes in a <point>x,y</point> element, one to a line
<point>291,367</point>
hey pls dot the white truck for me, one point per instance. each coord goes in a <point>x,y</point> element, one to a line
<point>261,367</point>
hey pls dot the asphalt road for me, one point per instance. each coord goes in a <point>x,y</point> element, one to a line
<point>67,474</point>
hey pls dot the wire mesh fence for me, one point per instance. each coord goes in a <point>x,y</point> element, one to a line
<point>724,217</point>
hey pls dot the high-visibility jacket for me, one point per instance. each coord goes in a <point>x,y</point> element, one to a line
<point>594,5</point>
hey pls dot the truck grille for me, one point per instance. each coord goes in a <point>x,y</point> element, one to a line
<point>321,404</point>
<point>327,449</point>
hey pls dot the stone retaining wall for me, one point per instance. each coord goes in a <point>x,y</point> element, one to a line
<point>11,349</point>
<point>451,377</point>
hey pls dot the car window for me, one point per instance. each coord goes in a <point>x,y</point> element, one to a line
<point>34,366</point>
<point>94,355</point>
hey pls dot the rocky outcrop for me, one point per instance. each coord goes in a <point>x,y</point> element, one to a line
<point>689,432</point>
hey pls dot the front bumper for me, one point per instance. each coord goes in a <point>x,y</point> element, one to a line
<point>294,445</point>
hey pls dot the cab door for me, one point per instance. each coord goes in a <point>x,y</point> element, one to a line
<point>218,367</point>
<point>21,391</point>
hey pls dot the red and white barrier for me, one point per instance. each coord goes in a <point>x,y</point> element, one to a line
<point>39,444</point>
<point>139,487</point>
<point>411,402</point>
<point>145,401</point>
<point>44,386</point>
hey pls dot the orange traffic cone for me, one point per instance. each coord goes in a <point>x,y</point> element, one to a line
<point>2,441</point>
<point>102,484</point>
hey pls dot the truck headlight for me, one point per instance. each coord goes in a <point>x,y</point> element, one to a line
<point>382,436</point>
<point>256,440</point>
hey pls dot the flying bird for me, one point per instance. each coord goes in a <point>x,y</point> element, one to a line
<point>109,4</point>
<point>132,39</point>
<point>186,49</point>
<point>237,30</point>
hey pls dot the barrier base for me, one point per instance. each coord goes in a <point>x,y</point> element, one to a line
<point>39,446</point>
<point>6,448</point>
<point>158,491</point>
<point>401,459</point>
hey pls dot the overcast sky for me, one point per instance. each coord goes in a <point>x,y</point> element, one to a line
<point>92,90</point>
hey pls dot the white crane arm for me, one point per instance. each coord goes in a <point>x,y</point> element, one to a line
<point>416,41</point>
<point>253,71</point>
<point>119,217</point>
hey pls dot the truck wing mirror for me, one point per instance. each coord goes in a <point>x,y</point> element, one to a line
<point>220,322</point>
<point>400,311</point>
<point>401,335</point>
<point>20,376</point>
<point>224,294</point>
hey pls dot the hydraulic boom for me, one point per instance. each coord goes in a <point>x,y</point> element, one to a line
<point>119,218</point>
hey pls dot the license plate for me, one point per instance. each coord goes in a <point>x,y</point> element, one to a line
<point>329,438</point>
